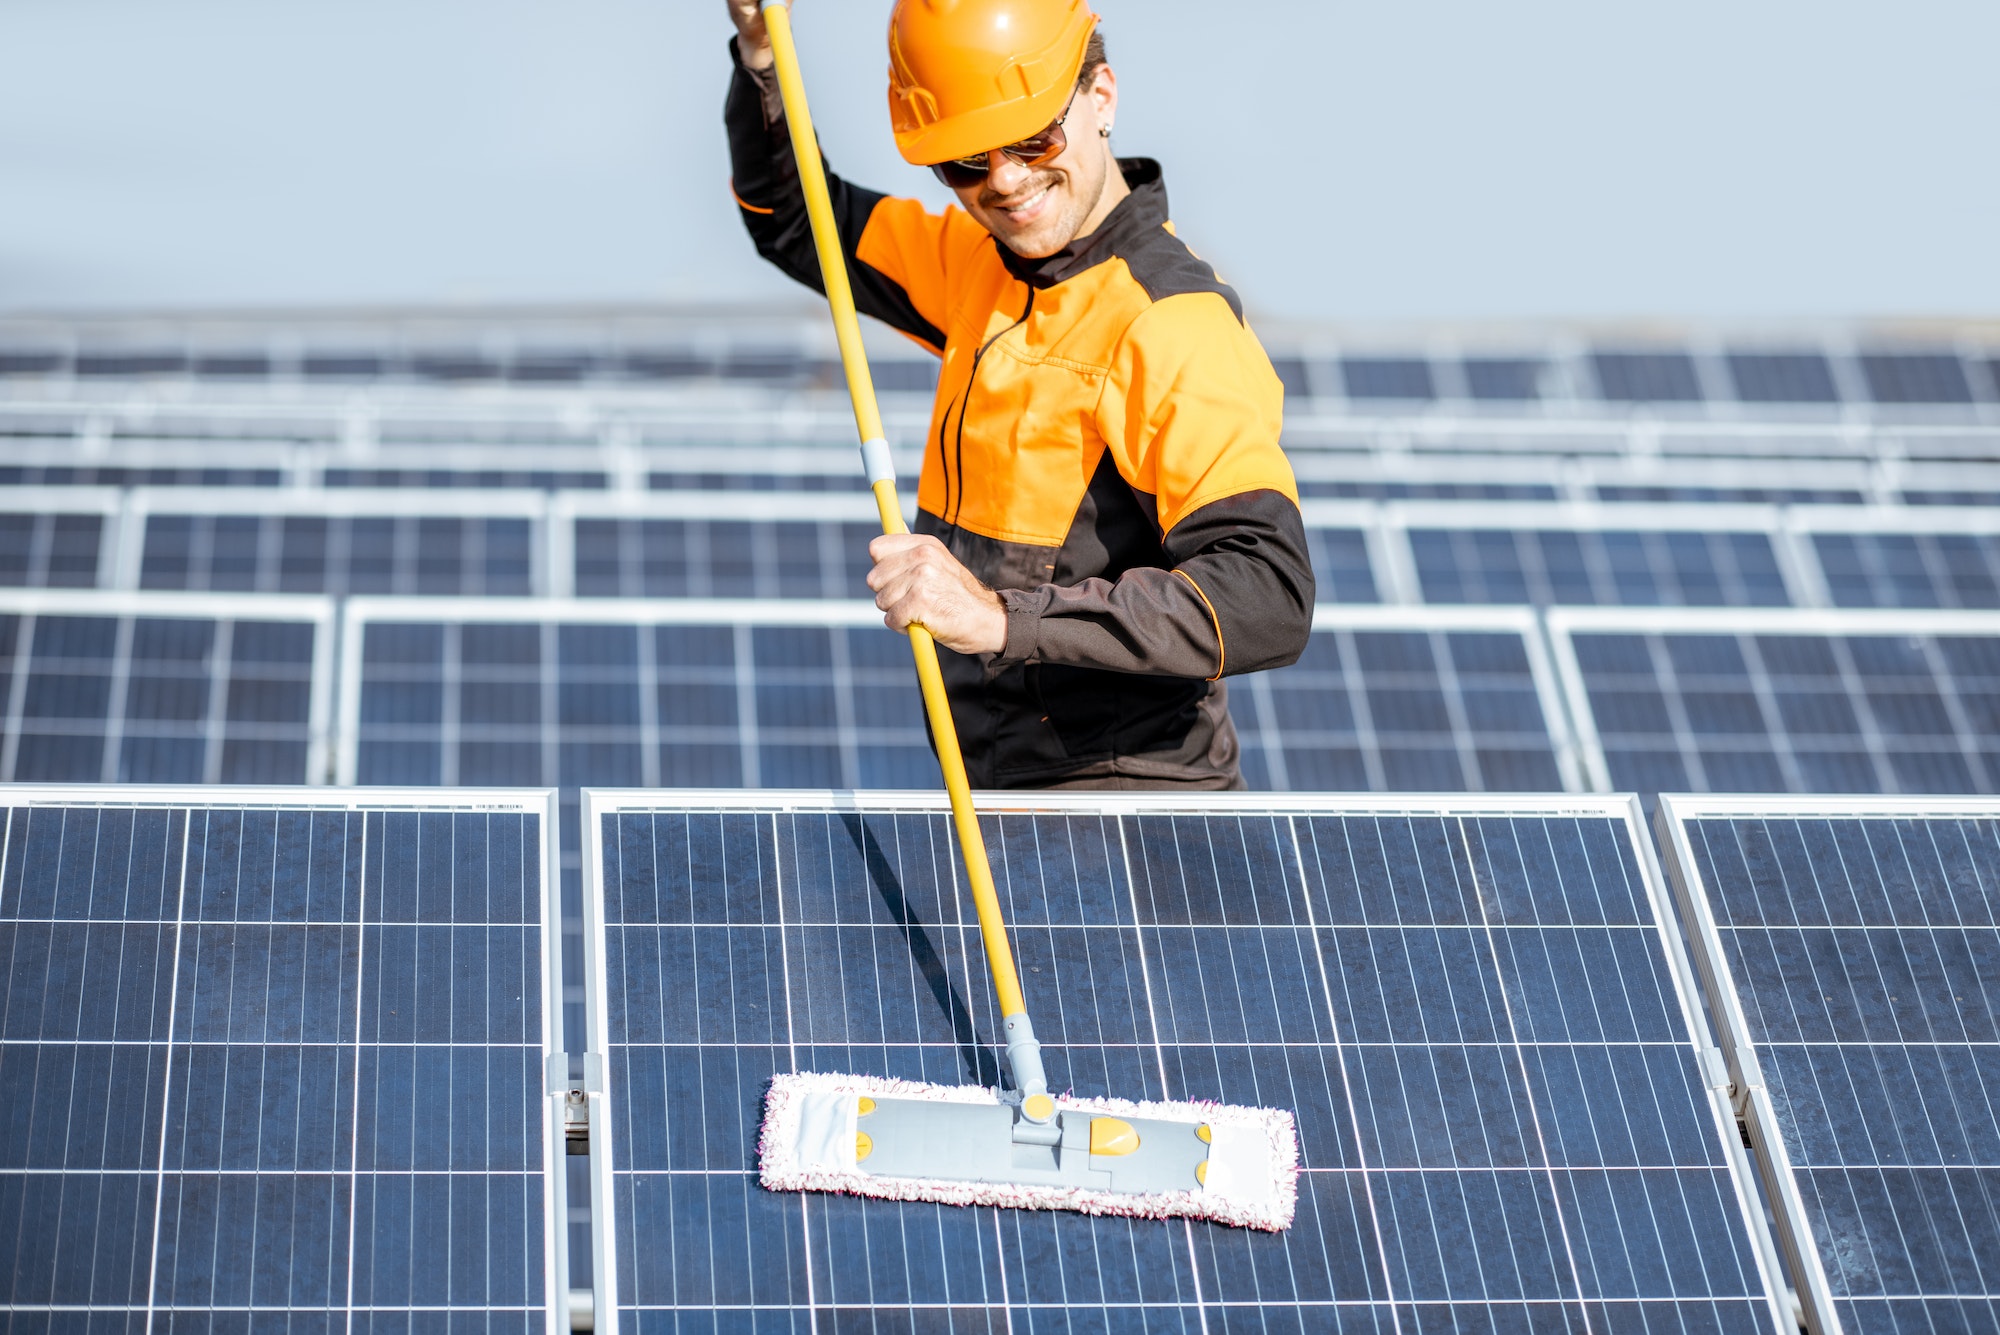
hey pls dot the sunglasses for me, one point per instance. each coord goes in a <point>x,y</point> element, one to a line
<point>1033,151</point>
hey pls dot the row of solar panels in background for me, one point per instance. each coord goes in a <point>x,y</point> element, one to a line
<point>776,367</point>
<point>1934,377</point>
<point>1535,555</point>
<point>552,479</point>
<point>1801,377</point>
<point>105,687</point>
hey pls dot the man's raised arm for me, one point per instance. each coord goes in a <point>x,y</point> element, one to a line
<point>765,182</point>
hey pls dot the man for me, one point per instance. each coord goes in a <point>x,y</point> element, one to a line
<point>1106,525</point>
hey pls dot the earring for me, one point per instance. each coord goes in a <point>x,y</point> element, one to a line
<point>1104,132</point>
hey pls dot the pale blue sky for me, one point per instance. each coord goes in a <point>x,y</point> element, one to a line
<point>1422,159</point>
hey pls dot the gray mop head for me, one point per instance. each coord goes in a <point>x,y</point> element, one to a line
<point>816,1137</point>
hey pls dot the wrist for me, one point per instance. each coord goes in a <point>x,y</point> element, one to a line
<point>994,635</point>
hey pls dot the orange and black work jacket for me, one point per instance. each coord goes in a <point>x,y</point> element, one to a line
<point>1103,453</point>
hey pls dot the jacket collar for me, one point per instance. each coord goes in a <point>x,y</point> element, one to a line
<point>1135,216</point>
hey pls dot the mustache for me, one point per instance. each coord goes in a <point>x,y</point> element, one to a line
<point>993,199</point>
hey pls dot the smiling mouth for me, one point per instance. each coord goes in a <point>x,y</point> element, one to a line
<point>1018,211</point>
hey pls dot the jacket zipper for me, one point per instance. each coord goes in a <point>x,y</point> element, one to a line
<point>964,403</point>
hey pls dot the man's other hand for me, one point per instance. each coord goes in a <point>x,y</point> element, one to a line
<point>916,580</point>
<point>752,42</point>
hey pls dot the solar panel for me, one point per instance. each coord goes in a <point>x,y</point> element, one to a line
<point>340,554</point>
<point>1731,495</point>
<point>332,365</point>
<point>1848,952</point>
<point>131,362</point>
<point>232,365</point>
<point>1954,498</point>
<point>724,558</point>
<point>1345,489</point>
<point>1502,379</point>
<point>49,550</point>
<point>1474,1009</point>
<point>1406,378</point>
<point>846,479</point>
<point>775,694</point>
<point>480,479</point>
<point>1343,571</point>
<point>1776,702</point>
<point>118,688</point>
<point>32,361</point>
<point>1291,371</point>
<point>1782,377</point>
<point>1916,377</point>
<point>1547,566</point>
<point>277,1061</point>
<point>554,366</point>
<point>1911,569</point>
<point>64,475</point>
<point>1646,377</point>
<point>769,548</point>
<point>454,365</point>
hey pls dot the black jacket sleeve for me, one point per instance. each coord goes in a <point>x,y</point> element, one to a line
<point>1238,598</point>
<point>765,179</point>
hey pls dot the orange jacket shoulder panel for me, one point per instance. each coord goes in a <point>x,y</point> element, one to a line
<point>926,253</point>
<point>1191,409</point>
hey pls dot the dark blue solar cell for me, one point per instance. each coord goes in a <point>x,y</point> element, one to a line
<point>31,361</point>
<point>1504,379</point>
<point>905,377</point>
<point>1387,378</point>
<point>453,365</point>
<point>1646,377</point>
<point>1706,655</point>
<point>1615,654</point>
<point>343,366</point>
<point>695,646</point>
<point>50,550</point>
<point>1782,377</point>
<point>1292,372</point>
<point>553,365</point>
<point>232,365</point>
<point>1916,377</point>
<point>792,647</point>
<point>1911,569</point>
<point>130,362</point>
<point>402,643</point>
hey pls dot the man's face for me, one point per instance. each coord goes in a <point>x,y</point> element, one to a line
<point>1036,211</point>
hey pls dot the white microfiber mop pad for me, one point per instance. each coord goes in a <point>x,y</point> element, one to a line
<point>808,1144</point>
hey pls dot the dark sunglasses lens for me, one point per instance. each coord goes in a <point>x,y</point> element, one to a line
<point>961,172</point>
<point>1033,151</point>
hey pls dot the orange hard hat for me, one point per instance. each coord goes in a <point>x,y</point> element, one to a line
<point>968,76</point>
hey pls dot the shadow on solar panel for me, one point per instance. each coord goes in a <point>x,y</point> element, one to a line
<point>1471,1005</point>
<point>277,1060</point>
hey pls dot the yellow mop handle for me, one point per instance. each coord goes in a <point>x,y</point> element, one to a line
<point>882,479</point>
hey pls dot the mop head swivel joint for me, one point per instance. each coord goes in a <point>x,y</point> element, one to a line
<point>966,1145</point>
